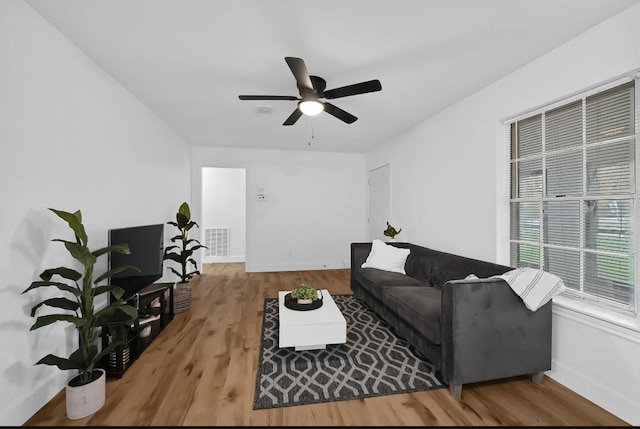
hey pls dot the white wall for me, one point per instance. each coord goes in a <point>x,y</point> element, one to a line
<point>450,190</point>
<point>315,205</point>
<point>224,204</point>
<point>70,138</point>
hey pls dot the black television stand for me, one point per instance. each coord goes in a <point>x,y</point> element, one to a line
<point>155,310</point>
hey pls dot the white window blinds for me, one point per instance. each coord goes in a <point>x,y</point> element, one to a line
<point>573,195</point>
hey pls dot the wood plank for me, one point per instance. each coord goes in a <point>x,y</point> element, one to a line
<point>200,371</point>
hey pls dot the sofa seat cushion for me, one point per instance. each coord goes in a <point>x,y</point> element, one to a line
<point>375,280</point>
<point>418,306</point>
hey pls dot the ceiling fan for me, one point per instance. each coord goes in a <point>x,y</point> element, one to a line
<point>312,89</point>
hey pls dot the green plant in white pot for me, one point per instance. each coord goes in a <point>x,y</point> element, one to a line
<point>86,390</point>
<point>182,253</point>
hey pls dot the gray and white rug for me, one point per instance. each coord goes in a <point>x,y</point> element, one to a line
<point>375,361</point>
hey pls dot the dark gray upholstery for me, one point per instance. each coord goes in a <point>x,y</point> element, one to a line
<point>472,330</point>
<point>377,281</point>
<point>418,306</point>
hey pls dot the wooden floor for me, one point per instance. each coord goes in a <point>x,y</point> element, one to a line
<point>201,371</point>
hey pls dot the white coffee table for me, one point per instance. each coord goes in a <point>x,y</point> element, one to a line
<point>313,329</point>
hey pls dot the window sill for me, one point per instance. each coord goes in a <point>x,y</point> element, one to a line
<point>603,319</point>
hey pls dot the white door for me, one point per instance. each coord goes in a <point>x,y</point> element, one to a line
<point>379,201</point>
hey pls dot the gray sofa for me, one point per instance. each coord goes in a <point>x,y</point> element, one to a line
<point>471,330</point>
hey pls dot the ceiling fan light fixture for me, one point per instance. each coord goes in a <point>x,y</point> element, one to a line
<point>311,107</point>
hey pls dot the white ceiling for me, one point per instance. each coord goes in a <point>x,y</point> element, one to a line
<point>188,60</point>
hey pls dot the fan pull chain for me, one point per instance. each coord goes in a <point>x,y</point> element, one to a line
<point>311,136</point>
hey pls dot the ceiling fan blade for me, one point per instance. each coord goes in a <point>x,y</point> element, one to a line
<point>355,89</point>
<point>300,72</point>
<point>293,117</point>
<point>268,97</point>
<point>339,113</point>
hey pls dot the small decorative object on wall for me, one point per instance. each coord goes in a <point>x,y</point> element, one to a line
<point>183,255</point>
<point>85,392</point>
<point>391,232</point>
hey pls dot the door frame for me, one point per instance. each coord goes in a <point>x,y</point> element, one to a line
<point>389,199</point>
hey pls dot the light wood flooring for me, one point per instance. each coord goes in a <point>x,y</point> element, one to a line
<point>201,371</point>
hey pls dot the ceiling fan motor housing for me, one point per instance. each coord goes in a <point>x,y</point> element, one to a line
<point>319,85</point>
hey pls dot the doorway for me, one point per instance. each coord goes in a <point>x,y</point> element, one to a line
<point>379,201</point>
<point>224,206</point>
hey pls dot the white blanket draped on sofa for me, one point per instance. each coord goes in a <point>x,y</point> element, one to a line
<point>535,287</point>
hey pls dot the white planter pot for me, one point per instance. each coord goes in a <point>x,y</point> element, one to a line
<point>304,301</point>
<point>85,400</point>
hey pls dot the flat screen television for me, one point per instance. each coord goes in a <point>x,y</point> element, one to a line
<point>146,244</point>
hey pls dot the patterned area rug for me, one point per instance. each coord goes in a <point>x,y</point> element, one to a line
<point>375,361</point>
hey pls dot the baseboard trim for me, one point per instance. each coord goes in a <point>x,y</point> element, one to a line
<point>23,409</point>
<point>223,259</point>
<point>300,266</point>
<point>596,392</point>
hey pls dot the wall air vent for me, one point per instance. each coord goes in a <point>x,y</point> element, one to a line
<point>262,109</point>
<point>217,241</point>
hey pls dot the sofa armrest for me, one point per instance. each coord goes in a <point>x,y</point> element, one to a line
<point>359,253</point>
<point>488,333</point>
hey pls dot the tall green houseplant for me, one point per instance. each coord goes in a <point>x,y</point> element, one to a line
<point>182,253</point>
<point>78,292</point>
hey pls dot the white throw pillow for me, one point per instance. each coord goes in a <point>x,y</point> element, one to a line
<point>386,257</point>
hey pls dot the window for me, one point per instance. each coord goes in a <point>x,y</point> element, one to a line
<point>573,195</point>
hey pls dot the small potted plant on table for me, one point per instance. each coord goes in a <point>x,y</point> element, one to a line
<point>305,294</point>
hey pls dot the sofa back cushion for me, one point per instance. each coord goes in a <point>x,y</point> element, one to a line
<point>454,267</point>
<point>432,267</point>
<point>419,263</point>
<point>436,268</point>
